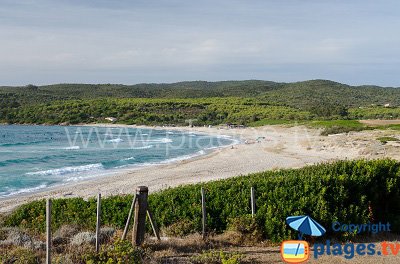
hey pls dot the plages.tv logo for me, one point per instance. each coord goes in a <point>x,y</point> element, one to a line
<point>295,251</point>
<point>298,251</point>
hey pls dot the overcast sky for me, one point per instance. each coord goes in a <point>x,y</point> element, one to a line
<point>134,41</point>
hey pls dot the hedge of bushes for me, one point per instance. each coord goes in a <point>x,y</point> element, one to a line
<point>346,191</point>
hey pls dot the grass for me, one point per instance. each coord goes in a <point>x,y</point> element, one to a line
<point>345,126</point>
<point>393,127</point>
<point>329,126</point>
<point>337,126</point>
<point>336,123</point>
<point>216,257</point>
<point>385,140</point>
<point>266,122</point>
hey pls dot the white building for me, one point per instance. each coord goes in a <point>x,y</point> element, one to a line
<point>111,119</point>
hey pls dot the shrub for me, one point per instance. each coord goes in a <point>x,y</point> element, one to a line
<point>15,237</point>
<point>340,129</point>
<point>180,228</point>
<point>83,238</point>
<point>345,191</point>
<point>120,252</point>
<point>19,256</point>
<point>67,231</point>
<point>248,228</point>
<point>217,257</point>
<point>106,233</point>
<point>385,140</point>
<point>3,234</point>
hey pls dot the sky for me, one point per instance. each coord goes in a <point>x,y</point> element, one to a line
<point>135,41</point>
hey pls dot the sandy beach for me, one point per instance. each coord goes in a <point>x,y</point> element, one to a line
<point>263,148</point>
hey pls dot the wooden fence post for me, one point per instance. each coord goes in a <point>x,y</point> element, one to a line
<point>98,223</point>
<point>128,221</point>
<point>48,231</point>
<point>153,223</point>
<point>139,225</point>
<point>253,202</point>
<point>204,213</point>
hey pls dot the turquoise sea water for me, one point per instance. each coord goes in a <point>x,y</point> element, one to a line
<point>36,157</point>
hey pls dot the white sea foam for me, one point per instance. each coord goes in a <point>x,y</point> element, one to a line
<point>23,190</point>
<point>160,140</point>
<point>210,148</point>
<point>224,136</point>
<point>234,140</point>
<point>76,178</point>
<point>144,147</point>
<point>72,148</point>
<point>66,170</point>
<point>121,167</point>
<point>185,157</point>
<point>116,140</point>
<point>130,158</point>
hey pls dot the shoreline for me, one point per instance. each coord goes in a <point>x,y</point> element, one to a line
<point>48,191</point>
<point>71,185</point>
<point>260,149</point>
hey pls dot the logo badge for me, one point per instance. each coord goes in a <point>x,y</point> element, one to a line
<point>295,251</point>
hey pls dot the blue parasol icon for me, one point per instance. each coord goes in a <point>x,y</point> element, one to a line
<point>305,225</point>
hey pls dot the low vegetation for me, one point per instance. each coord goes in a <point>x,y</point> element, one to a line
<point>385,140</point>
<point>337,126</point>
<point>154,111</point>
<point>325,191</point>
<point>217,257</point>
<point>121,251</point>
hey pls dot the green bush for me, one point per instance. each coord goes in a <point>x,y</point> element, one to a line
<point>346,191</point>
<point>75,211</point>
<point>217,257</point>
<point>385,140</point>
<point>180,228</point>
<point>120,252</point>
<point>19,256</point>
<point>247,226</point>
<point>340,129</point>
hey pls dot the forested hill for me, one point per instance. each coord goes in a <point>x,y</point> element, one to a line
<point>244,102</point>
<point>195,89</point>
<point>298,94</point>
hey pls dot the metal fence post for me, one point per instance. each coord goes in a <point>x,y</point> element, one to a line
<point>253,202</point>
<point>48,231</point>
<point>204,213</point>
<point>98,223</point>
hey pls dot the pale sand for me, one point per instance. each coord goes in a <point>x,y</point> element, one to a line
<point>282,147</point>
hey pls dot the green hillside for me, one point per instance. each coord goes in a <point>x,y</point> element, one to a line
<point>294,94</point>
<point>245,102</point>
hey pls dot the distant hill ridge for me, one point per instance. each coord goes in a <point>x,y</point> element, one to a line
<point>296,94</point>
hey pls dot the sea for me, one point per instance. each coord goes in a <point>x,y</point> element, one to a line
<point>33,158</point>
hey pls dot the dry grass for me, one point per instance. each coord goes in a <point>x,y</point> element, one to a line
<point>378,122</point>
<point>174,250</point>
